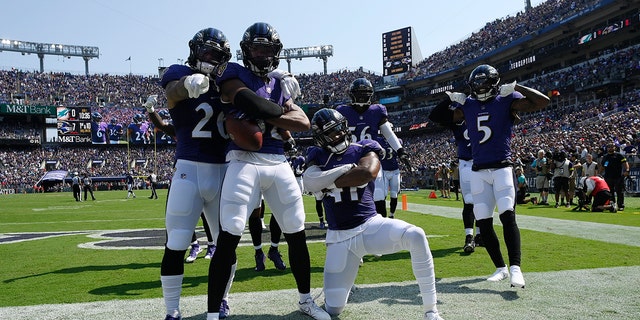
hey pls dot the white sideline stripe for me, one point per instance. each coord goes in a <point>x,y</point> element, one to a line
<point>606,293</point>
<point>578,229</point>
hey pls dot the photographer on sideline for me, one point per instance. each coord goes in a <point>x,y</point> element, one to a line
<point>597,188</point>
<point>521,194</point>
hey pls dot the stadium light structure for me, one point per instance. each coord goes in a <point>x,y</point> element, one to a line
<point>288,54</point>
<point>42,49</point>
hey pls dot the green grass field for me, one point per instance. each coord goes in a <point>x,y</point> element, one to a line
<point>63,257</point>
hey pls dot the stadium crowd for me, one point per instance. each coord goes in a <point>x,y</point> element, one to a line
<point>572,124</point>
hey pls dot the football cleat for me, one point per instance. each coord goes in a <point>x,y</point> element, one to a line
<point>193,254</point>
<point>276,257</point>
<point>224,311</point>
<point>517,280</point>
<point>478,240</point>
<point>469,244</point>
<point>210,250</point>
<point>309,307</point>
<point>432,315</point>
<point>499,275</point>
<point>260,259</point>
<point>614,208</point>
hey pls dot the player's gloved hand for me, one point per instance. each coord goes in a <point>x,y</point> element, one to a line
<point>152,100</point>
<point>404,157</point>
<point>290,145</point>
<point>196,84</point>
<point>507,89</point>
<point>288,83</point>
<point>458,97</point>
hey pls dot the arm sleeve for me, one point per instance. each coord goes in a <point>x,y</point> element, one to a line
<point>314,179</point>
<point>442,114</point>
<point>387,131</point>
<point>255,106</point>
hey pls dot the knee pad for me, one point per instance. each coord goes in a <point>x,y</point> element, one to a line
<point>508,218</point>
<point>179,239</point>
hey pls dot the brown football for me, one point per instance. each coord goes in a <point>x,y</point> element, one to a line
<point>245,133</point>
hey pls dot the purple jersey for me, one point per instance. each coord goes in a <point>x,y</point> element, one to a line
<point>490,126</point>
<point>390,160</point>
<point>198,122</point>
<point>297,164</point>
<point>161,136</point>
<point>462,141</point>
<point>99,132</point>
<point>350,207</point>
<point>364,125</point>
<point>138,133</point>
<point>272,142</point>
<point>115,131</point>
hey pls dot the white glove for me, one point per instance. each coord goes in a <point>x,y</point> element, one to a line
<point>458,97</point>
<point>196,84</point>
<point>507,89</point>
<point>288,83</point>
<point>152,100</point>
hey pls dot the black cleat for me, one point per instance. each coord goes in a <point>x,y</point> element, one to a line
<point>469,244</point>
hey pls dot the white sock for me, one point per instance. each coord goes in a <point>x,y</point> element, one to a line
<point>213,316</point>
<point>171,290</point>
<point>304,297</point>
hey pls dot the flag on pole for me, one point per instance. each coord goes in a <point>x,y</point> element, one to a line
<point>128,59</point>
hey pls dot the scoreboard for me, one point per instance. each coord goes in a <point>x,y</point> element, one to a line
<point>396,51</point>
<point>74,124</point>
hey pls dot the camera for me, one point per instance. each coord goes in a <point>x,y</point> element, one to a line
<point>558,156</point>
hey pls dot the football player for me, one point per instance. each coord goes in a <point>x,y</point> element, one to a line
<point>265,172</point>
<point>200,157</point>
<point>366,120</point>
<point>98,129</point>
<point>390,182</point>
<point>490,112</point>
<point>138,130</point>
<point>115,131</point>
<point>345,172</point>
<point>465,162</point>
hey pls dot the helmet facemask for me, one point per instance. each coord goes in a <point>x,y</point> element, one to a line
<point>331,131</point>
<point>261,56</point>
<point>483,82</point>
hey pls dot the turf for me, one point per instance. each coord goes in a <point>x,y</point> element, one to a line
<point>68,268</point>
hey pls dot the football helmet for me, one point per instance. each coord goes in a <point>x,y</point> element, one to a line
<point>164,114</point>
<point>96,116</point>
<point>138,118</point>
<point>361,91</point>
<point>113,121</point>
<point>261,48</point>
<point>330,130</point>
<point>208,49</point>
<point>483,82</point>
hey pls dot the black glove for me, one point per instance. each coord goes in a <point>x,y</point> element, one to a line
<point>404,158</point>
<point>290,145</point>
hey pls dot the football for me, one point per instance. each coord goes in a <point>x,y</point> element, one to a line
<point>245,133</point>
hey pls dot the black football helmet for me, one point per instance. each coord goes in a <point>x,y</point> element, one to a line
<point>113,121</point>
<point>96,116</point>
<point>164,114</point>
<point>261,48</point>
<point>208,49</point>
<point>483,82</point>
<point>330,130</point>
<point>361,91</point>
<point>138,118</point>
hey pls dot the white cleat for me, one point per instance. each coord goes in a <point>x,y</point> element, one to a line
<point>432,315</point>
<point>517,280</point>
<point>499,275</point>
<point>310,308</point>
